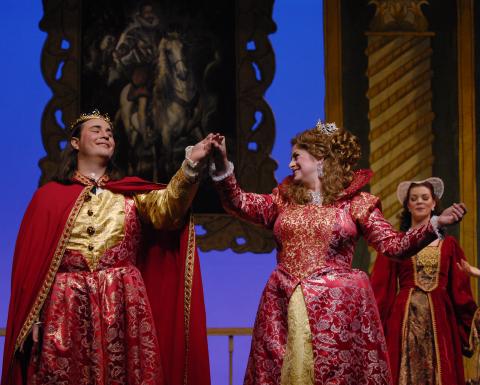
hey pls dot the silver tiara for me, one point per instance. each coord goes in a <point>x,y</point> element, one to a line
<point>326,128</point>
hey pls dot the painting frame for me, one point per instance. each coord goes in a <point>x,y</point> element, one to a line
<point>61,65</point>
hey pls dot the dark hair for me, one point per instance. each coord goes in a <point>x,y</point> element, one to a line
<point>68,160</point>
<point>406,216</point>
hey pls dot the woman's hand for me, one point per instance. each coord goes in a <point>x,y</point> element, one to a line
<point>202,149</point>
<point>468,269</point>
<point>219,153</point>
<point>452,215</point>
<point>35,331</point>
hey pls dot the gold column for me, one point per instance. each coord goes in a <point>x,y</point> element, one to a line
<point>400,92</point>
<point>467,144</point>
<point>333,61</point>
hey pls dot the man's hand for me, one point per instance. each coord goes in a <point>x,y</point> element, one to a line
<point>202,149</point>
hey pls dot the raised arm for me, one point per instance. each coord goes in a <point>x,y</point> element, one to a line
<point>166,208</point>
<point>261,209</point>
<point>256,208</point>
<point>380,234</point>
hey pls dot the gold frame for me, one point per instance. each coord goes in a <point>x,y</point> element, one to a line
<point>467,135</point>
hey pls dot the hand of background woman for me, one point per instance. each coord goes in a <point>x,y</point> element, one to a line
<point>452,214</point>
<point>468,269</point>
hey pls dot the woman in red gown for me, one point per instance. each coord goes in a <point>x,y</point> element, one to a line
<point>425,301</point>
<point>106,287</point>
<point>317,322</point>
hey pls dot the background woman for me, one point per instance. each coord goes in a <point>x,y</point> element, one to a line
<point>317,320</point>
<point>425,301</point>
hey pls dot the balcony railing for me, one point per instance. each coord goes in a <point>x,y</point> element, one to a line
<point>221,332</point>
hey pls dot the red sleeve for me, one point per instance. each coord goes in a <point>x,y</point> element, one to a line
<point>381,235</point>
<point>384,285</point>
<point>460,293</point>
<point>260,209</point>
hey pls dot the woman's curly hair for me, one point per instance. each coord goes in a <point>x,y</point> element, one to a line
<point>340,152</point>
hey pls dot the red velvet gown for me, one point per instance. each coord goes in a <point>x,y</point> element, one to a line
<point>449,308</point>
<point>343,335</point>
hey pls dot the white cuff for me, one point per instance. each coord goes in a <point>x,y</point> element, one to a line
<point>188,152</point>
<point>218,178</point>
<point>438,230</point>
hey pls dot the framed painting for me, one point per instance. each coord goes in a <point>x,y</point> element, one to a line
<point>167,73</point>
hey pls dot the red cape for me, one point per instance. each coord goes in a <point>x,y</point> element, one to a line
<point>169,265</point>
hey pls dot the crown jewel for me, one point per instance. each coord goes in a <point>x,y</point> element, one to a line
<point>326,128</point>
<point>95,114</point>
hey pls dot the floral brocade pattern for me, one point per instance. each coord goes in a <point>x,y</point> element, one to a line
<point>315,250</point>
<point>98,325</point>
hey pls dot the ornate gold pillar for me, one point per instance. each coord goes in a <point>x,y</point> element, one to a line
<point>467,145</point>
<point>400,93</point>
<point>333,61</point>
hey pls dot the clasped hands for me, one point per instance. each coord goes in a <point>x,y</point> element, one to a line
<point>212,146</point>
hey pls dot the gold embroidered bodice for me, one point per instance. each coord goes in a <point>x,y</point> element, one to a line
<point>426,265</point>
<point>99,225</point>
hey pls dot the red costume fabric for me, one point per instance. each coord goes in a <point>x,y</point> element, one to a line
<point>451,304</point>
<point>315,249</point>
<point>169,268</point>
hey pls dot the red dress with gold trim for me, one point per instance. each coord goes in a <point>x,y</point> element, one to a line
<point>315,249</point>
<point>450,314</point>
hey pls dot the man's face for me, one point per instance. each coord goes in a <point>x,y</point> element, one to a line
<point>96,140</point>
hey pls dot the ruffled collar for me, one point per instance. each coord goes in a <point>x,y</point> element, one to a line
<point>360,179</point>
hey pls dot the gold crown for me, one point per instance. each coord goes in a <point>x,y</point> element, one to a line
<point>95,114</point>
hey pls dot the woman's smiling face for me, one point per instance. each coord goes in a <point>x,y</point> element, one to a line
<point>304,166</point>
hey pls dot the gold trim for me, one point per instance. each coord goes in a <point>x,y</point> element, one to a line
<point>467,135</point>
<point>437,274</point>
<point>189,271</point>
<point>332,35</point>
<point>435,339</point>
<point>57,258</point>
<point>405,317</point>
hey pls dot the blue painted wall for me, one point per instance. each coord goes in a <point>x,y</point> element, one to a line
<point>233,282</point>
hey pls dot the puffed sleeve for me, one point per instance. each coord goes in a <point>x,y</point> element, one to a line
<point>460,292</point>
<point>166,208</point>
<point>260,209</point>
<point>379,233</point>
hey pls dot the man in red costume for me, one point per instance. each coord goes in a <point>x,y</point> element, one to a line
<point>106,286</point>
